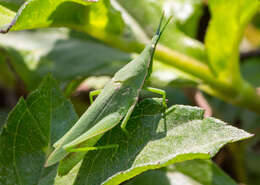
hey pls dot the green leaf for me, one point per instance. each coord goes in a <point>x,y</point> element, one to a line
<point>12,3</point>
<point>42,13</point>
<point>164,75</point>
<point>3,116</point>
<point>31,129</point>
<point>156,141</point>
<point>175,36</point>
<point>6,16</point>
<point>82,58</point>
<point>205,172</point>
<point>16,62</point>
<point>7,78</point>
<point>188,14</point>
<point>229,19</point>
<point>152,177</point>
<point>250,71</point>
<point>193,172</point>
<point>35,54</point>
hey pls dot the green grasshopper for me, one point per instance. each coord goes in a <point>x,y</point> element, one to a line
<point>114,104</point>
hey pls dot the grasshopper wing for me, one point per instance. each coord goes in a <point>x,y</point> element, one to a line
<point>99,129</point>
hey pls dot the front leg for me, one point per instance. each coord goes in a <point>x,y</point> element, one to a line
<point>92,94</point>
<point>84,149</point>
<point>125,120</point>
<point>158,91</point>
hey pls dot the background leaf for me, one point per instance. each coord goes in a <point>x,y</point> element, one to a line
<point>250,70</point>
<point>57,54</point>
<point>39,14</point>
<point>173,36</point>
<point>155,142</point>
<point>31,129</point>
<point>193,172</point>
<point>222,39</point>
